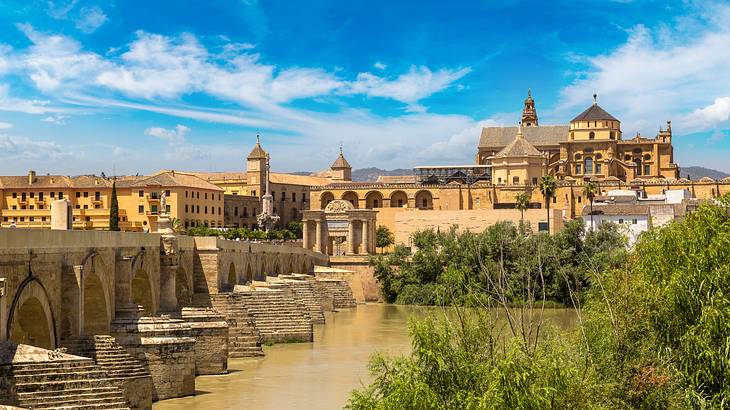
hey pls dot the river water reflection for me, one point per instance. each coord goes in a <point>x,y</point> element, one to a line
<point>317,375</point>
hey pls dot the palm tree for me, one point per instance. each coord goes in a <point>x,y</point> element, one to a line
<point>522,202</point>
<point>590,190</point>
<point>547,188</point>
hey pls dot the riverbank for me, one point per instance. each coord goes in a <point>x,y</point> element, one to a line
<point>317,375</point>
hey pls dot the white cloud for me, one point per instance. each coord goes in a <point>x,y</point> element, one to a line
<point>90,19</point>
<point>58,119</point>
<point>174,135</point>
<point>709,116</point>
<point>662,74</point>
<point>11,104</point>
<point>380,66</point>
<point>22,148</point>
<point>416,84</point>
<point>5,125</point>
<point>54,60</point>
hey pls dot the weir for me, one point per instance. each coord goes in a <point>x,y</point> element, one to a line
<point>145,313</point>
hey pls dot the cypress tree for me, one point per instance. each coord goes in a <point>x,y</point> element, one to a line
<point>114,209</point>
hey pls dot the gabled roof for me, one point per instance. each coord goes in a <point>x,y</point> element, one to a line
<point>172,178</point>
<point>540,136</point>
<point>519,147</point>
<point>594,113</point>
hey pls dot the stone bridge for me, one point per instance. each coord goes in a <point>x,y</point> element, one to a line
<point>59,287</point>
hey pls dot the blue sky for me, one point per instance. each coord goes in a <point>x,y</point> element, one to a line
<point>136,86</point>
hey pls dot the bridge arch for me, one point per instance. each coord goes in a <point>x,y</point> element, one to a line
<point>97,312</point>
<point>31,320</point>
<point>142,293</point>
<point>232,279</point>
<point>182,288</point>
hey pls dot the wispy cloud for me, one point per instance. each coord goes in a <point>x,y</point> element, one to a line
<point>90,19</point>
<point>5,125</point>
<point>173,135</point>
<point>659,74</point>
<point>58,119</point>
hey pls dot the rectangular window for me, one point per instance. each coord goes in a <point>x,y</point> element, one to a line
<point>534,181</point>
<point>153,209</point>
<point>219,211</point>
<point>140,209</point>
<point>273,196</point>
<point>86,194</point>
<point>580,199</point>
<point>620,221</point>
<point>235,211</point>
<point>87,219</point>
<point>141,193</point>
<point>245,211</point>
<point>206,195</point>
<point>304,197</point>
<point>40,196</point>
<point>43,218</point>
<point>555,199</point>
<point>97,206</point>
<point>40,206</point>
<point>167,208</point>
<point>647,169</point>
<point>598,168</point>
<point>205,209</point>
<point>15,207</point>
<point>515,180</point>
<point>22,207</point>
<point>197,195</point>
<point>31,218</point>
<point>253,193</point>
<point>577,169</point>
<point>32,194</point>
<point>15,194</point>
<point>78,194</point>
<point>186,195</point>
<point>32,207</point>
<point>186,207</point>
<point>22,218</point>
<point>634,221</point>
<point>60,195</point>
<point>97,196</point>
<point>293,197</point>
<point>86,206</point>
<point>283,196</point>
<point>197,209</point>
<point>167,192</point>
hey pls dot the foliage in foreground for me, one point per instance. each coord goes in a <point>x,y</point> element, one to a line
<point>654,334</point>
<point>558,264</point>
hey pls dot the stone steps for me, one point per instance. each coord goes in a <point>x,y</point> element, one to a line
<point>278,315</point>
<point>340,292</point>
<point>243,336</point>
<point>68,384</point>
<point>107,354</point>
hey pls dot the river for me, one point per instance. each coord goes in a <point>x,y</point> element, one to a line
<point>317,375</point>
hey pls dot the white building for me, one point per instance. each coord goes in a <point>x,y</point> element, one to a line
<point>632,219</point>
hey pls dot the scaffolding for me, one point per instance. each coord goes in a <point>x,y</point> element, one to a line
<point>445,174</point>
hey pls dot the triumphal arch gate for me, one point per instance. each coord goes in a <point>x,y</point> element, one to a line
<point>340,229</point>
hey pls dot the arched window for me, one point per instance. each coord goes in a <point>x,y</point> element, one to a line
<point>612,135</point>
<point>588,164</point>
<point>591,135</point>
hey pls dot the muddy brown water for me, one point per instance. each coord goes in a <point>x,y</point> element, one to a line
<point>317,375</point>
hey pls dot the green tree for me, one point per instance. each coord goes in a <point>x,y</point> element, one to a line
<point>384,237</point>
<point>547,188</point>
<point>114,209</point>
<point>590,190</point>
<point>522,202</point>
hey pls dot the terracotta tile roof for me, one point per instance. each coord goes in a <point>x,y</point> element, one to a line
<point>519,147</point>
<point>616,210</point>
<point>220,176</point>
<point>340,162</point>
<point>540,136</point>
<point>594,112</point>
<point>291,179</point>
<point>257,152</point>
<point>175,178</point>
<point>397,179</point>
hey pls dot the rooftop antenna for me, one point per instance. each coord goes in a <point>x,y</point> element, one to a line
<point>595,98</point>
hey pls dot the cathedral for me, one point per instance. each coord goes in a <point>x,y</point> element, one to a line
<point>591,147</point>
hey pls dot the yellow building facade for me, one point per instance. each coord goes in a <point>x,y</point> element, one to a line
<point>26,200</point>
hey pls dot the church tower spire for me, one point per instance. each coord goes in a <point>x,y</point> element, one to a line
<point>529,114</point>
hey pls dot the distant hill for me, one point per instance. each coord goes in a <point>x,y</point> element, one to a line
<point>372,174</point>
<point>368,174</point>
<point>699,172</point>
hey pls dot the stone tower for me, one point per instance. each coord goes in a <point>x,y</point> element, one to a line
<point>341,171</point>
<point>256,170</point>
<point>529,114</point>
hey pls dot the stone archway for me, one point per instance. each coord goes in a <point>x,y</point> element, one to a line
<point>96,306</point>
<point>232,279</point>
<point>424,200</point>
<point>182,288</point>
<point>325,198</point>
<point>373,200</point>
<point>351,197</point>
<point>142,292</point>
<point>398,199</point>
<point>31,319</point>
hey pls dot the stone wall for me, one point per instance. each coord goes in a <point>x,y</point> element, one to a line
<point>358,273</point>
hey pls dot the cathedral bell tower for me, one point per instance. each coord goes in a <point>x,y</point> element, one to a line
<point>256,174</point>
<point>529,114</point>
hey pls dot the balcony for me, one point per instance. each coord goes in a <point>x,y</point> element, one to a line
<point>152,197</point>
